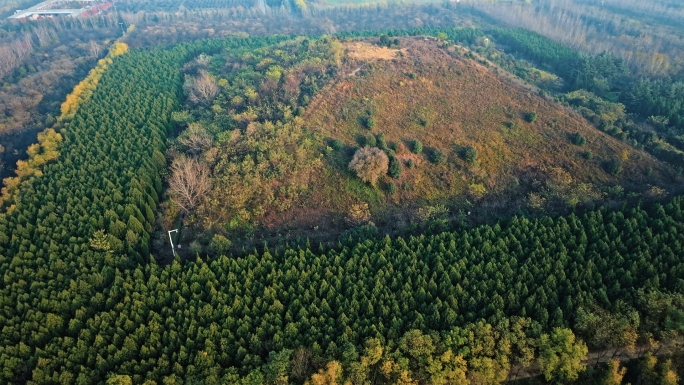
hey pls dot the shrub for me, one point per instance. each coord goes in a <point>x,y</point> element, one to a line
<point>195,247</point>
<point>577,139</point>
<point>369,122</point>
<point>438,157</point>
<point>391,188</point>
<point>477,190</point>
<point>531,117</point>
<point>394,169</point>
<point>359,214</point>
<point>417,146</point>
<point>587,155</point>
<point>410,163</point>
<point>405,186</point>
<point>369,163</point>
<point>613,167</point>
<point>381,142</point>
<point>371,141</point>
<point>220,244</point>
<point>469,154</point>
<point>336,144</point>
<point>616,191</point>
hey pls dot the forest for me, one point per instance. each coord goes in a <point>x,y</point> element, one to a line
<point>595,295</point>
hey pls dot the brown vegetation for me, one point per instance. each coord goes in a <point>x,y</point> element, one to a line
<point>189,182</point>
<point>452,103</point>
<point>365,51</point>
<point>369,164</point>
<point>195,138</point>
<point>201,89</point>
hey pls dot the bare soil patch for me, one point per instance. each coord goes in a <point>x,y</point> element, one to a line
<point>367,51</point>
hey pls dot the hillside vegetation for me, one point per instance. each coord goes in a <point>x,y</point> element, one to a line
<point>281,125</point>
<point>449,102</point>
<point>453,105</point>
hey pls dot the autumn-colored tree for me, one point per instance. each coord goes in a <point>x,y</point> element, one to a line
<point>359,214</point>
<point>448,369</point>
<point>331,375</point>
<point>369,163</point>
<point>614,374</point>
<point>561,355</point>
<point>119,380</point>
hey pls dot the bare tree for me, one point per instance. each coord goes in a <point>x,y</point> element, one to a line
<point>369,163</point>
<point>190,180</point>
<point>195,138</point>
<point>300,363</point>
<point>45,35</point>
<point>13,54</point>
<point>203,60</point>
<point>94,49</point>
<point>203,88</point>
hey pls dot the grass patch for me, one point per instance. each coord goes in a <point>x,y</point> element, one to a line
<point>362,191</point>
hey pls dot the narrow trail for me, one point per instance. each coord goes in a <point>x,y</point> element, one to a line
<point>595,358</point>
<point>353,73</point>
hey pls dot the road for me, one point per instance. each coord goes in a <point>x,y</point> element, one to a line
<point>44,8</point>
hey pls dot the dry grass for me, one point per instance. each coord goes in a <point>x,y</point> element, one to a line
<point>366,52</point>
<point>451,103</point>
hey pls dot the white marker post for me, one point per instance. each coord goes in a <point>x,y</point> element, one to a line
<point>171,240</point>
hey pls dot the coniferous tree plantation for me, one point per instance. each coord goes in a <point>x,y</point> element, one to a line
<point>575,277</point>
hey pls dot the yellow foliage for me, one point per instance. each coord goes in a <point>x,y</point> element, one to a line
<point>119,48</point>
<point>477,190</point>
<point>39,154</point>
<point>33,150</point>
<point>301,5</point>
<point>624,155</point>
<point>85,88</point>
<point>330,376</point>
<point>23,169</point>
<point>11,183</point>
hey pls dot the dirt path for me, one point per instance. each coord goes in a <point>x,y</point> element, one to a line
<point>356,71</point>
<point>595,358</point>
